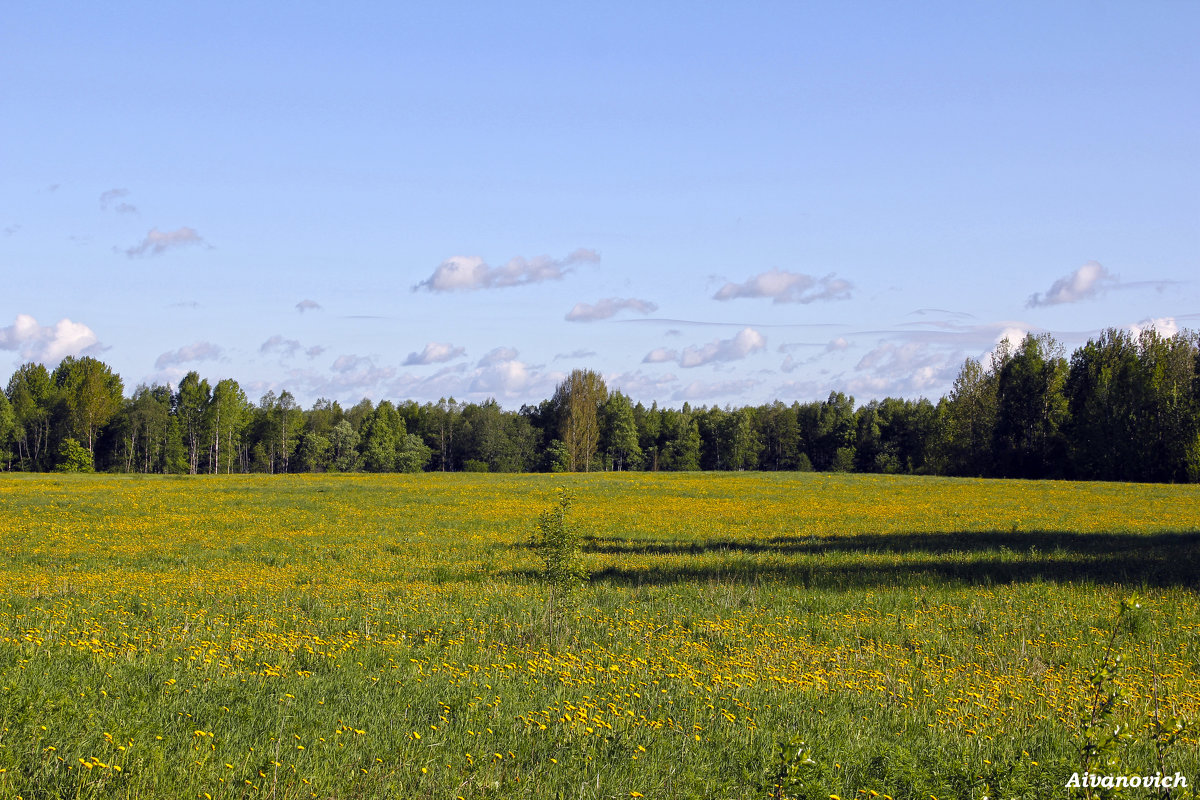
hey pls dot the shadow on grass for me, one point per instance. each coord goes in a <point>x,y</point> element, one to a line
<point>973,557</point>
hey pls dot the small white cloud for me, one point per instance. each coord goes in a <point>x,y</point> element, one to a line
<point>468,273</point>
<point>747,341</point>
<point>349,363</point>
<point>1166,327</point>
<point>278,344</point>
<point>787,287</point>
<point>1087,282</point>
<point>581,353</point>
<point>837,344</point>
<point>197,351</point>
<point>660,355</point>
<point>314,351</point>
<point>497,355</point>
<point>111,201</point>
<point>434,353</point>
<point>308,305</point>
<point>48,344</point>
<point>157,242</point>
<point>608,307</point>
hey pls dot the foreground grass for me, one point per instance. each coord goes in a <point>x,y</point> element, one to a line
<point>370,637</point>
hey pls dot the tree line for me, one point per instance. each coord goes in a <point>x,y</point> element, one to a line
<point>1122,407</point>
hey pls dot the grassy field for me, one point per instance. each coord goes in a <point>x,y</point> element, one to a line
<point>386,636</point>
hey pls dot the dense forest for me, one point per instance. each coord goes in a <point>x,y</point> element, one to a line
<point>1123,407</point>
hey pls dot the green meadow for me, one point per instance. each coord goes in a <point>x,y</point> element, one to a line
<point>741,635</point>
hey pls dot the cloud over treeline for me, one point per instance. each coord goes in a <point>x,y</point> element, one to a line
<point>1090,280</point>
<point>48,344</point>
<point>197,351</point>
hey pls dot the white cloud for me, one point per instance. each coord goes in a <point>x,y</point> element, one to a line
<point>640,386</point>
<point>308,305</point>
<point>503,378</point>
<point>1084,283</point>
<point>608,307</point>
<point>467,273</point>
<point>157,242</point>
<point>746,341</point>
<point>109,202</point>
<point>790,364</point>
<point>580,353</point>
<point>48,344</point>
<point>660,355</point>
<point>314,351</point>
<point>278,344</point>
<point>197,351</point>
<point>837,344</point>
<point>905,369</point>
<point>787,287</point>
<point>1166,327</point>
<point>497,355</point>
<point>434,353</point>
<point>351,363</point>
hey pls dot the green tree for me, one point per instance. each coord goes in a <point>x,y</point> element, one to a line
<point>91,393</point>
<point>486,429</point>
<point>228,413</point>
<point>7,425</point>
<point>143,423</point>
<point>969,421</point>
<point>191,409</point>
<point>836,429</point>
<point>780,437</point>
<point>681,440</point>
<point>381,438</point>
<point>1167,426</point>
<point>343,440</point>
<point>31,394</point>
<point>412,454</point>
<point>649,425</point>
<point>620,433</point>
<point>578,400</point>
<point>1102,408</point>
<point>314,451</point>
<point>1030,410</point>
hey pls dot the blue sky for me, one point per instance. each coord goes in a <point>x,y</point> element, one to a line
<point>714,203</point>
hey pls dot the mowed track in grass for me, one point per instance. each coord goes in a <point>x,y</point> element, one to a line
<point>384,636</point>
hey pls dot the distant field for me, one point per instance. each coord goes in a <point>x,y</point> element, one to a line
<point>384,636</point>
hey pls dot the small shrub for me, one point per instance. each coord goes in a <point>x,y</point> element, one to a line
<point>556,543</point>
<point>74,457</point>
